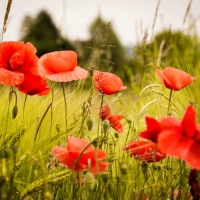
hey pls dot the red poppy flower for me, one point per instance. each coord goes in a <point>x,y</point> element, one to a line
<point>114,120</point>
<point>145,151</point>
<point>153,130</point>
<point>75,146</point>
<point>107,83</point>
<point>17,59</point>
<point>181,138</point>
<point>33,85</point>
<point>174,79</point>
<point>61,66</point>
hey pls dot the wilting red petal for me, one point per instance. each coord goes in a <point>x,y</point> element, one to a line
<point>174,79</point>
<point>189,122</point>
<point>152,131</point>
<point>33,85</point>
<point>105,112</point>
<point>114,120</point>
<point>107,83</point>
<point>61,66</point>
<point>115,123</point>
<point>10,78</point>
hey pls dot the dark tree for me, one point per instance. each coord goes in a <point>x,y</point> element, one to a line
<point>43,34</point>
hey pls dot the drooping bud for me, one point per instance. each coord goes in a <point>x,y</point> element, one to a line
<point>90,122</point>
<point>90,182</point>
<point>14,112</point>
<point>116,135</point>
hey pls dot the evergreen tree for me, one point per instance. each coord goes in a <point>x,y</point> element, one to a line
<point>43,34</point>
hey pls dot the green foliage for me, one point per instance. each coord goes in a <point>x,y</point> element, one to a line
<point>103,50</point>
<point>43,34</point>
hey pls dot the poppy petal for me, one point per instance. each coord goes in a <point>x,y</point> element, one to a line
<point>33,85</point>
<point>193,158</point>
<point>77,145</point>
<point>78,73</point>
<point>102,166</point>
<point>189,122</point>
<point>174,144</point>
<point>152,131</point>
<point>11,78</point>
<point>67,160</point>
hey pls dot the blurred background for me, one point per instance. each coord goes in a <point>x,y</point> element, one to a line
<point>128,37</point>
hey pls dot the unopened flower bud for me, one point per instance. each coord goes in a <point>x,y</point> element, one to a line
<point>123,168</point>
<point>90,122</point>
<point>58,127</point>
<point>116,135</point>
<point>2,180</point>
<point>47,196</point>
<point>118,177</point>
<point>14,112</point>
<point>104,176</point>
<point>106,126</point>
<point>144,167</point>
<point>90,182</point>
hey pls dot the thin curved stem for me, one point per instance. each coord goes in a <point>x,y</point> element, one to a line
<point>170,97</point>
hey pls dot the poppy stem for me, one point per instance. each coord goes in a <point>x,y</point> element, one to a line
<point>170,97</point>
<point>52,98</point>
<point>65,103</point>
<point>40,123</point>
<point>100,114</point>
<point>24,105</point>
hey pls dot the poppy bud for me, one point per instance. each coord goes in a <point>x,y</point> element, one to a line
<point>90,122</point>
<point>118,177</point>
<point>14,112</point>
<point>123,168</point>
<point>104,177</point>
<point>116,135</point>
<point>14,149</point>
<point>144,167</point>
<point>58,126</point>
<point>47,196</point>
<point>2,180</point>
<point>90,182</point>
<point>106,126</point>
<point>4,153</point>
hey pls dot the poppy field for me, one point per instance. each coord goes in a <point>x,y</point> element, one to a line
<point>82,133</point>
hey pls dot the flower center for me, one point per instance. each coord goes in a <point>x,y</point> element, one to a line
<point>16,61</point>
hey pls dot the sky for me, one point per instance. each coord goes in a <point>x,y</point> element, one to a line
<point>129,18</point>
